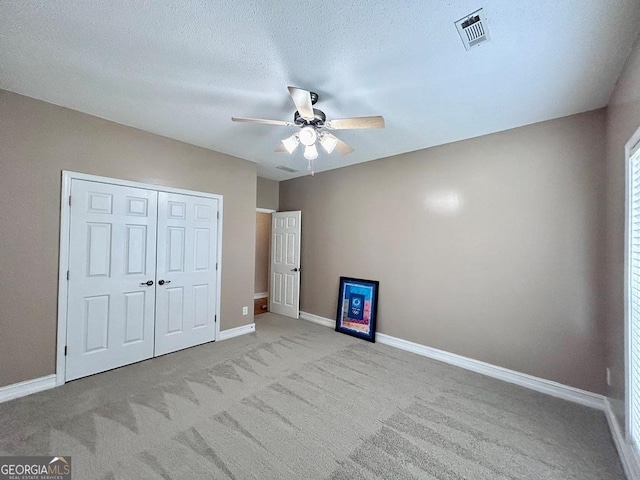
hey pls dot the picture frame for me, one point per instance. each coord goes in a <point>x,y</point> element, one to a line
<point>357,308</point>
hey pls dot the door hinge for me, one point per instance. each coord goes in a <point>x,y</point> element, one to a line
<point>218,214</point>
<point>215,318</point>
<point>69,200</point>
<point>216,265</point>
<point>67,274</point>
<point>65,350</point>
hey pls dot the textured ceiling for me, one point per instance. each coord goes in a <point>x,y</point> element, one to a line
<point>182,69</point>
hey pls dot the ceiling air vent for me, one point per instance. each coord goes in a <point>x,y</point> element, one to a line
<point>473,29</point>
<point>286,169</point>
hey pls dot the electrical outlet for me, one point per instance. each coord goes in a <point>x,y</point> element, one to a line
<point>245,310</point>
<point>608,376</point>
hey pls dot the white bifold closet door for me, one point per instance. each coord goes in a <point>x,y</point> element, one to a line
<point>186,291</point>
<point>112,266</point>
<point>142,275</point>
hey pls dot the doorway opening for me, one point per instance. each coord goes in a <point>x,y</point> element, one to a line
<point>263,246</point>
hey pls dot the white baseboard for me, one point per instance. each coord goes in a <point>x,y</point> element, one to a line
<point>325,322</point>
<point>524,380</point>
<point>256,296</point>
<point>27,387</point>
<point>236,332</point>
<point>538,384</point>
<point>628,457</point>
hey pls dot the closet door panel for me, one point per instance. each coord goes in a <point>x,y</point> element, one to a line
<point>186,271</point>
<point>112,259</point>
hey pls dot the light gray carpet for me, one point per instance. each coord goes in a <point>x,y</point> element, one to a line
<point>300,401</point>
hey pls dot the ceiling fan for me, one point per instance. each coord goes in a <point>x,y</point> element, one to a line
<point>313,126</point>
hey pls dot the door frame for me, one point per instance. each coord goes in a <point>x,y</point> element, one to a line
<point>65,224</point>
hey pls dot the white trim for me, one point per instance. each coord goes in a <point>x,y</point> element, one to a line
<point>628,457</point>
<point>629,150</point>
<point>538,384</point>
<point>147,186</point>
<point>219,260</point>
<point>21,389</point>
<point>236,332</point>
<point>310,317</point>
<point>633,145</point>
<point>265,210</point>
<point>524,380</point>
<point>63,286</point>
<point>65,220</point>
<point>256,296</point>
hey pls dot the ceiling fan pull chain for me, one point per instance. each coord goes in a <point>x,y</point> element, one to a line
<point>310,167</point>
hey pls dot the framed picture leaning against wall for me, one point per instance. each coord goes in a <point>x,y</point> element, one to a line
<point>357,308</point>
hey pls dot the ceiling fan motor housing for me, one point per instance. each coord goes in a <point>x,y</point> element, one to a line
<point>318,118</point>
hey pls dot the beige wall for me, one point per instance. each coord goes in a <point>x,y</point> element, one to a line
<point>39,140</point>
<point>263,239</point>
<point>486,248</point>
<point>268,192</point>
<point>623,119</point>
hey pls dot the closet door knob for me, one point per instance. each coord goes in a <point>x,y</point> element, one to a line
<point>162,282</point>
<point>147,284</point>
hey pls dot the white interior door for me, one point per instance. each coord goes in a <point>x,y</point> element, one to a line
<point>186,271</point>
<point>284,297</point>
<point>112,263</point>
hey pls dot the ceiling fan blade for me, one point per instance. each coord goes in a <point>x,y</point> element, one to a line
<point>341,146</point>
<point>281,148</point>
<point>280,123</point>
<point>302,100</point>
<point>355,123</point>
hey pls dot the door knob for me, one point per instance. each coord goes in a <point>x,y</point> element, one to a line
<point>162,282</point>
<point>296,269</point>
<point>147,284</point>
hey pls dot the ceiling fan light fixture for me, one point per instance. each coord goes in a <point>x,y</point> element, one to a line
<point>328,142</point>
<point>313,123</point>
<point>308,135</point>
<point>291,143</point>
<point>310,152</point>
